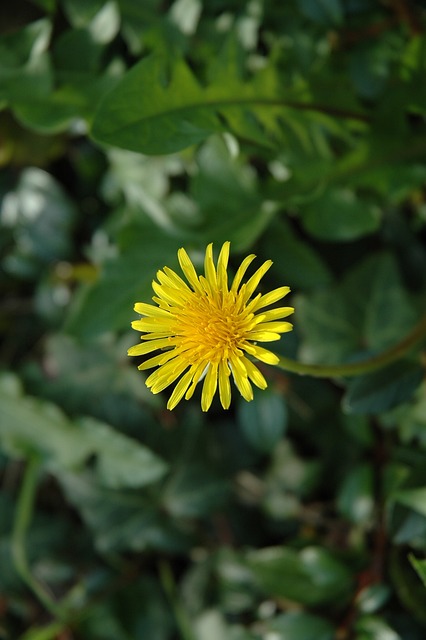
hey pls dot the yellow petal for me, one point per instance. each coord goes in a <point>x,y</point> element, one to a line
<point>179,390</point>
<point>243,385</point>
<point>276,327</point>
<point>162,358</point>
<point>271,297</point>
<point>241,271</point>
<point>165,375</point>
<point>264,336</point>
<point>255,279</point>
<point>198,371</point>
<point>188,269</point>
<point>224,385</point>
<point>274,314</point>
<point>254,374</point>
<point>264,355</point>
<point>209,268</point>
<point>150,310</point>
<point>147,347</point>
<point>222,265</point>
<point>209,387</point>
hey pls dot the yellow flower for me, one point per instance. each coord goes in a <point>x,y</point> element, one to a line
<point>204,329</point>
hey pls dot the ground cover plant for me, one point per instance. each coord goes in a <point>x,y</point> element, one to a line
<point>139,138</point>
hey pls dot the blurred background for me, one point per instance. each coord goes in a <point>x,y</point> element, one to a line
<point>296,130</point>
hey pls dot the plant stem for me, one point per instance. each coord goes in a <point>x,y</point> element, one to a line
<point>23,515</point>
<point>169,586</point>
<point>358,368</point>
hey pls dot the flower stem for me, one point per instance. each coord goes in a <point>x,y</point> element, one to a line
<point>169,586</point>
<point>368,365</point>
<point>23,515</point>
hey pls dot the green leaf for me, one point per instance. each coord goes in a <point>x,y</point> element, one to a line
<point>120,520</point>
<point>42,217</point>
<point>340,215</point>
<point>369,308</point>
<point>30,425</point>
<point>383,389</point>
<point>413,498</point>
<point>263,421</point>
<point>194,491</point>
<point>108,303</point>
<point>375,628</point>
<point>355,498</point>
<point>298,625</point>
<point>329,329</point>
<point>325,12</point>
<point>375,295</point>
<point>25,70</point>
<point>145,113</point>
<point>227,196</point>
<point>312,576</point>
<point>294,259</point>
<point>156,109</point>
<point>419,566</point>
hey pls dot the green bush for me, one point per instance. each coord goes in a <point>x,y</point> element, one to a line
<point>296,131</point>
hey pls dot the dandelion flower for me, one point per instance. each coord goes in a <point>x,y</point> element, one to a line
<point>207,330</point>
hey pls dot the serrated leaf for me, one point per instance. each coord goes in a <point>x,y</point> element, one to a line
<point>383,389</point>
<point>158,108</point>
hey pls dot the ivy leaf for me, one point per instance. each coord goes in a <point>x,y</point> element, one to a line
<point>383,389</point>
<point>312,577</point>
<point>29,424</point>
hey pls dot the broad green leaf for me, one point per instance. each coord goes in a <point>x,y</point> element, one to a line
<point>82,12</point>
<point>227,198</point>
<point>413,498</point>
<point>369,307</point>
<point>30,425</point>
<point>263,421</point>
<point>120,520</point>
<point>329,329</point>
<point>25,70</point>
<point>355,497</point>
<point>295,260</point>
<point>312,576</point>
<point>90,379</point>
<point>375,295</point>
<point>193,492</point>
<point>375,628</point>
<point>137,611</point>
<point>384,389</point>
<point>29,42</point>
<point>108,303</point>
<point>297,625</point>
<point>325,12</point>
<point>340,215</point>
<point>420,567</point>
<point>42,217</point>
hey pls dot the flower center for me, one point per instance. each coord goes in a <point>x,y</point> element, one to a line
<point>212,327</point>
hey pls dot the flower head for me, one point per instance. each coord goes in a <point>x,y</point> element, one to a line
<point>207,329</point>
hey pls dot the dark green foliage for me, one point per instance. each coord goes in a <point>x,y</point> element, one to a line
<point>297,131</point>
